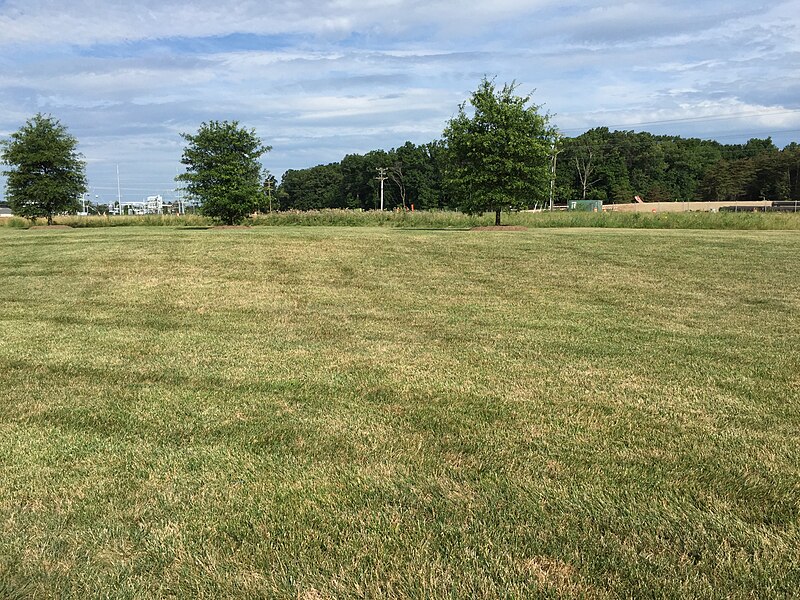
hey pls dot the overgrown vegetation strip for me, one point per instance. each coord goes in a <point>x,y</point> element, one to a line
<point>454,219</point>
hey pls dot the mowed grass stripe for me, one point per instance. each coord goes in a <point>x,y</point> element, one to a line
<point>332,412</point>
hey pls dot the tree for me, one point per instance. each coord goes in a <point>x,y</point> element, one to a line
<point>397,177</point>
<point>414,175</point>
<point>499,157</point>
<point>791,154</point>
<point>356,190</point>
<point>314,188</point>
<point>223,170</point>
<point>585,166</point>
<point>47,173</point>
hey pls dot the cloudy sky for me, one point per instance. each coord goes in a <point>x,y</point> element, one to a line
<point>319,79</point>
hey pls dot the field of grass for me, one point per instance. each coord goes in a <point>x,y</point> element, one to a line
<point>304,412</point>
<point>453,219</point>
<point>446,219</point>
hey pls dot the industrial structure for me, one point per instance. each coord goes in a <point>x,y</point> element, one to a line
<point>152,205</point>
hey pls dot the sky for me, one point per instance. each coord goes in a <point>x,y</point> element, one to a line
<point>321,79</point>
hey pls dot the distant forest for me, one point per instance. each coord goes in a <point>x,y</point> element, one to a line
<point>613,166</point>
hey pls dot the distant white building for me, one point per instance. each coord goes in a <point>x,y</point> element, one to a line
<point>152,205</point>
<point>5,212</point>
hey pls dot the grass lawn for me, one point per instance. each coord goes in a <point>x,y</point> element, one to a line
<point>328,412</point>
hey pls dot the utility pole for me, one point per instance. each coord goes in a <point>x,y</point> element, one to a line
<point>178,194</point>
<point>119,194</point>
<point>381,177</point>
<point>179,200</point>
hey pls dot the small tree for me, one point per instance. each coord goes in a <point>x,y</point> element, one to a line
<point>584,163</point>
<point>47,173</point>
<point>223,170</point>
<point>397,177</point>
<point>498,158</point>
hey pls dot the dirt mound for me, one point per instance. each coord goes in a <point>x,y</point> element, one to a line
<point>49,227</point>
<point>500,228</point>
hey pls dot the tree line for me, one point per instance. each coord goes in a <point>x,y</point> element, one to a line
<point>615,166</point>
<point>612,166</point>
<point>414,175</point>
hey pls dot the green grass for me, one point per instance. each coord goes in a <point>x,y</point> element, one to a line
<point>134,221</point>
<point>451,219</point>
<point>457,220</point>
<point>338,412</point>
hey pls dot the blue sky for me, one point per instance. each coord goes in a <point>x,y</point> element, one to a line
<point>320,79</point>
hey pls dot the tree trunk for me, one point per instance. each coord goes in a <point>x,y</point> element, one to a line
<point>49,218</point>
<point>497,217</point>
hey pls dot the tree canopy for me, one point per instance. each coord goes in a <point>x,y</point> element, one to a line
<point>612,166</point>
<point>223,170</point>
<point>413,180</point>
<point>47,173</point>
<point>615,166</point>
<point>498,157</point>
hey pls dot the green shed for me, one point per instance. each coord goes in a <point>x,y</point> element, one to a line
<point>587,205</point>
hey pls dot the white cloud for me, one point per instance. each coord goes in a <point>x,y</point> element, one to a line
<point>92,21</point>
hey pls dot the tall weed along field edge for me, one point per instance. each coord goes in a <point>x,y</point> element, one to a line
<point>325,412</point>
<point>445,219</point>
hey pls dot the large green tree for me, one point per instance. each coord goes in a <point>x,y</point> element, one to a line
<point>223,170</point>
<point>498,158</point>
<point>47,173</point>
<point>307,189</point>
